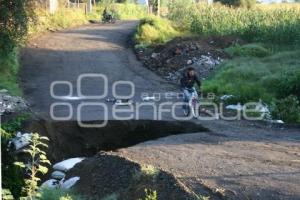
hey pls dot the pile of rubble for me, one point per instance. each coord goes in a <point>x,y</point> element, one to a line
<point>10,104</point>
<point>171,59</point>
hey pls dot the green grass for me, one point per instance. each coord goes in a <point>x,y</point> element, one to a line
<point>154,30</point>
<point>254,78</point>
<point>248,50</point>
<point>58,194</point>
<point>9,67</point>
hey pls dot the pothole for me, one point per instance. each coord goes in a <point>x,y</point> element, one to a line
<point>68,139</point>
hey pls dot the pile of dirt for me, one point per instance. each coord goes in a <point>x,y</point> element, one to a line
<point>107,175</point>
<point>204,54</point>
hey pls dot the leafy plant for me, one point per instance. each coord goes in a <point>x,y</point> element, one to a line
<point>286,109</point>
<point>6,194</point>
<point>150,195</point>
<point>12,178</point>
<point>14,124</point>
<point>36,165</point>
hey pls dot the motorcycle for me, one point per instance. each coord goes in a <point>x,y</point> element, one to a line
<point>108,19</point>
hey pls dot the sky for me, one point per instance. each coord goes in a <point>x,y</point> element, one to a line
<point>263,1</point>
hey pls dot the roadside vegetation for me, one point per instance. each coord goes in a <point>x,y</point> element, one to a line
<point>265,68</point>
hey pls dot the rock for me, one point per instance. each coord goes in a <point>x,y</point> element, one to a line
<point>51,183</point>
<point>58,175</point>
<point>20,141</point>
<point>154,55</point>
<point>189,62</point>
<point>70,182</point>
<point>3,91</point>
<point>67,164</point>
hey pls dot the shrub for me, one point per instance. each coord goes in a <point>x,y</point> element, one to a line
<point>253,50</point>
<point>286,109</point>
<point>155,30</point>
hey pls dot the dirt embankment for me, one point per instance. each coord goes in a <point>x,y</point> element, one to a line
<point>107,175</point>
<point>204,54</point>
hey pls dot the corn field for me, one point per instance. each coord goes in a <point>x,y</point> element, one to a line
<point>260,24</point>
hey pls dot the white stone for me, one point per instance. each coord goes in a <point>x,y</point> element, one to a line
<point>70,182</point>
<point>67,164</point>
<point>51,183</point>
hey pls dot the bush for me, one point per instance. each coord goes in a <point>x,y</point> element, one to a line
<point>286,109</point>
<point>253,50</point>
<point>155,30</point>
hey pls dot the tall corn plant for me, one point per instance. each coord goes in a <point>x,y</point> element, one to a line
<point>258,25</point>
<point>36,165</point>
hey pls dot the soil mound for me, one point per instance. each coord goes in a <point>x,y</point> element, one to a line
<point>107,175</point>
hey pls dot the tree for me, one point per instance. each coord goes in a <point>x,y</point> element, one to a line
<point>239,3</point>
<point>14,19</point>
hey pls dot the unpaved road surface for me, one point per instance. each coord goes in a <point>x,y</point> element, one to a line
<point>236,159</point>
<point>91,49</point>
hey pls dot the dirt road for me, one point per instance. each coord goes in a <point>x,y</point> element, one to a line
<point>237,159</point>
<point>91,49</point>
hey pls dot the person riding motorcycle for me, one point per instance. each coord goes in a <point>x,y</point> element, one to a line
<point>187,82</point>
<point>107,15</point>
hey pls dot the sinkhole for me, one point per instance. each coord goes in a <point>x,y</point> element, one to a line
<point>68,139</point>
